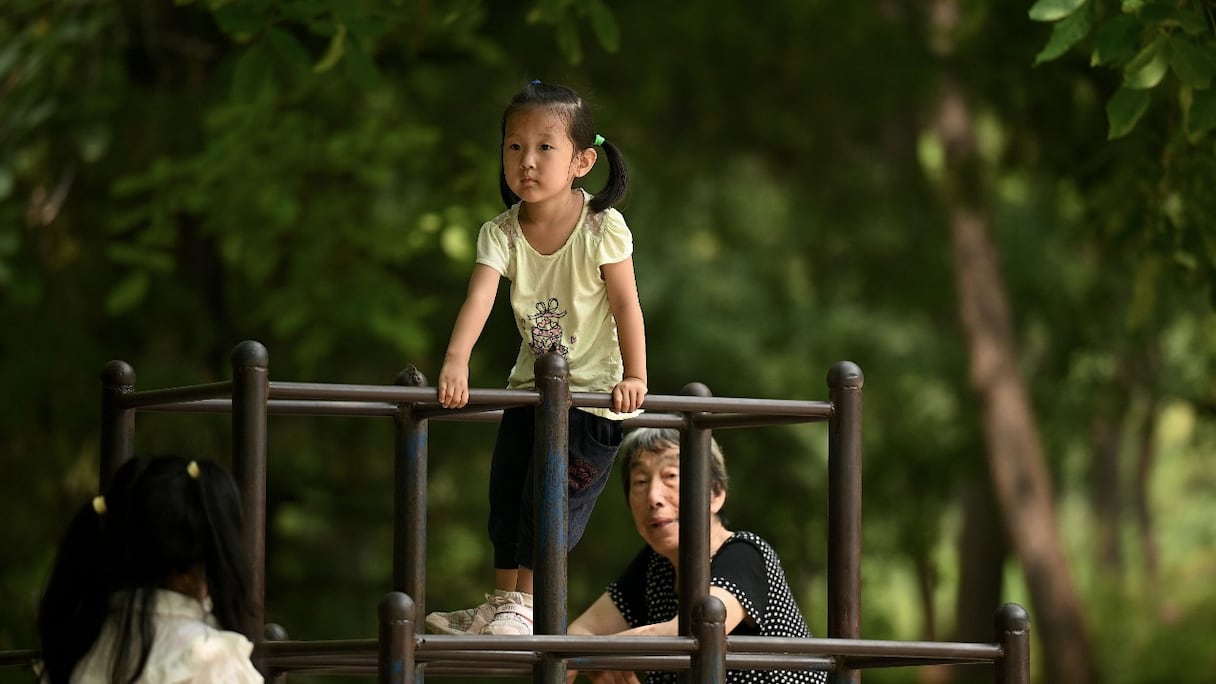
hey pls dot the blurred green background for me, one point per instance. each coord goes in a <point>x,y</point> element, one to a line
<point>809,182</point>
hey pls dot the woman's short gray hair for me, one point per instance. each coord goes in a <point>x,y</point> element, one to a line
<point>654,440</point>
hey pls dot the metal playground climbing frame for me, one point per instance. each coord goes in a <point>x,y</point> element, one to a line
<point>401,653</point>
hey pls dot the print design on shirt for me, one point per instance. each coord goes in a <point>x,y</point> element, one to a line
<point>547,329</point>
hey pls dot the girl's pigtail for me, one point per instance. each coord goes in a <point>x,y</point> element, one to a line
<point>74,603</point>
<point>228,576</point>
<point>509,198</point>
<point>618,180</point>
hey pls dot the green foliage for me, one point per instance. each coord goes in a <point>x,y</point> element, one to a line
<point>1177,38</point>
<point>1165,55</point>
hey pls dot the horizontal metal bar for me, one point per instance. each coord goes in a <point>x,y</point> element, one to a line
<point>292,407</point>
<point>682,402</point>
<point>334,399</point>
<point>659,420</point>
<point>467,656</point>
<point>319,648</point>
<point>398,394</point>
<point>470,413</point>
<point>173,395</point>
<point>20,658</point>
<point>721,421</point>
<point>551,643</point>
<point>865,647</point>
<point>507,655</point>
<point>348,670</point>
<point>894,661</point>
<point>636,663</point>
<point>452,669</point>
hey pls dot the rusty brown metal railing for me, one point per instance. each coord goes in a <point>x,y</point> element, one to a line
<point>401,654</point>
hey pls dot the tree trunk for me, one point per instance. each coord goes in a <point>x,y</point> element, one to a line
<point>982,549</point>
<point>1105,490</point>
<point>1144,467</point>
<point>1015,455</point>
<point>926,583</point>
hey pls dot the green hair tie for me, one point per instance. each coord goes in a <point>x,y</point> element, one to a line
<point>599,140</point>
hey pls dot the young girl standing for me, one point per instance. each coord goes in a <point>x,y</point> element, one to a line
<point>568,255</point>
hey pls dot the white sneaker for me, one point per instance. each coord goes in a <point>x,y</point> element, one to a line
<point>512,614</point>
<point>467,621</point>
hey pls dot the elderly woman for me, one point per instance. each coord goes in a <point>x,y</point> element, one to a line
<point>745,573</point>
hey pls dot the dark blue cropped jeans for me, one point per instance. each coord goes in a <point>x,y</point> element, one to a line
<point>593,444</point>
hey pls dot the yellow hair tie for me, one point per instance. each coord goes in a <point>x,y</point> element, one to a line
<point>99,505</point>
<point>193,469</point>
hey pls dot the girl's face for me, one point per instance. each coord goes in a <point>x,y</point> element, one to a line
<point>538,156</point>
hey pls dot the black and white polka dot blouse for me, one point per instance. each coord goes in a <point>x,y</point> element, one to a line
<point>748,568</point>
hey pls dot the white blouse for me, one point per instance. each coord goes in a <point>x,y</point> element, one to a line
<point>189,648</point>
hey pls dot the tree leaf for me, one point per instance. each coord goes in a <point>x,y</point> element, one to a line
<point>128,293</point>
<point>1054,10</point>
<point>337,47</point>
<point>289,50</point>
<point>1201,116</point>
<point>603,23</point>
<point>567,39</point>
<point>1152,13</point>
<point>9,56</point>
<point>1148,66</point>
<point>1191,22</point>
<point>141,256</point>
<point>1192,64</point>
<point>251,74</point>
<point>1115,41</point>
<point>359,65</point>
<point>1065,34</point>
<point>237,20</point>
<point>1124,109</point>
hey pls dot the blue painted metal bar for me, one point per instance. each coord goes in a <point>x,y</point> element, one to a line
<point>410,497</point>
<point>395,662</point>
<point>550,467</point>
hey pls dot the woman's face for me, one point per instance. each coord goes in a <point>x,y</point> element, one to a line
<point>654,499</point>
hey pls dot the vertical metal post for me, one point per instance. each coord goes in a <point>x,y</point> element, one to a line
<point>409,497</point>
<point>275,632</point>
<point>397,639</point>
<point>250,393</point>
<point>117,422</point>
<point>709,627</point>
<point>844,509</point>
<point>1013,634</point>
<point>550,467</point>
<point>693,582</point>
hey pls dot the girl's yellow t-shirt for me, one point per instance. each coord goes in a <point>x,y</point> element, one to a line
<point>560,300</point>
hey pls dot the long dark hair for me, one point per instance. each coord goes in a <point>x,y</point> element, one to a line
<point>159,517</point>
<point>570,106</point>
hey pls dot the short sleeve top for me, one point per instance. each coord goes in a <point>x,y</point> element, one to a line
<point>747,567</point>
<point>559,300</point>
<point>188,648</point>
